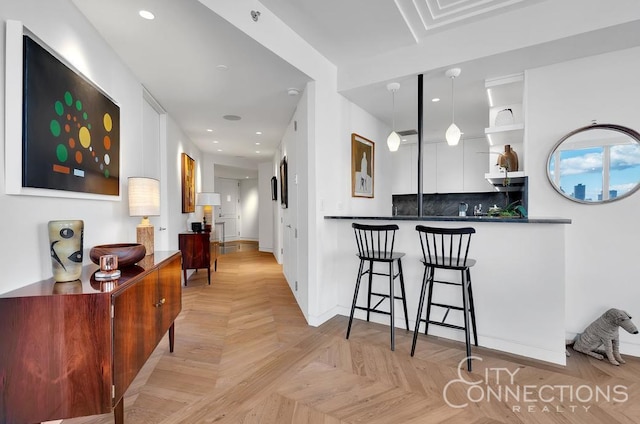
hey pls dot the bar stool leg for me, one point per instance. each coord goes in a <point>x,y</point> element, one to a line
<point>370,285</point>
<point>432,276</point>
<point>473,310</point>
<point>404,297</point>
<point>465,306</point>
<point>423,291</point>
<point>355,297</point>
<point>392,301</point>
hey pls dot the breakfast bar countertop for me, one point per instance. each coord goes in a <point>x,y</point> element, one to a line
<point>483,218</point>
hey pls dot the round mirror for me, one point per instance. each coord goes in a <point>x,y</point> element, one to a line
<point>596,164</point>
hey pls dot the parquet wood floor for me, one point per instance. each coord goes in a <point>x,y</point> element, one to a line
<point>244,354</point>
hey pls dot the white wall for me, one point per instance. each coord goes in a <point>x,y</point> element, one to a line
<point>249,208</point>
<point>24,218</point>
<point>601,255</point>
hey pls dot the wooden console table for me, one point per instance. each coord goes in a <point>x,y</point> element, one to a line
<point>72,349</point>
<point>196,253</point>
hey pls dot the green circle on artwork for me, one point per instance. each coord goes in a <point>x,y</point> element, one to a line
<point>62,153</point>
<point>89,126</point>
<point>59,108</point>
<point>78,105</point>
<point>106,173</point>
<point>68,99</point>
<point>85,116</point>
<point>55,128</point>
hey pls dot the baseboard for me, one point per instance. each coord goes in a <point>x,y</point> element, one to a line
<point>507,346</point>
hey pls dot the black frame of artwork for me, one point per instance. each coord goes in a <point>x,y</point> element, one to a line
<point>284,188</point>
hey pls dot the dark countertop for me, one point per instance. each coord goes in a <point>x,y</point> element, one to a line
<point>458,219</point>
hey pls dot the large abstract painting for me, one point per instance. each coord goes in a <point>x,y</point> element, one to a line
<point>71,129</point>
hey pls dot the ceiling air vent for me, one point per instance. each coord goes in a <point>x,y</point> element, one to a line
<point>407,132</point>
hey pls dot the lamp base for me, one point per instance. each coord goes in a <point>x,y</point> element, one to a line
<point>145,237</point>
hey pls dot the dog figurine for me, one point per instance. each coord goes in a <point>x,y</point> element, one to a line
<point>603,332</point>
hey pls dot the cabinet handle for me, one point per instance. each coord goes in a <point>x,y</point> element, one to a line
<point>162,302</point>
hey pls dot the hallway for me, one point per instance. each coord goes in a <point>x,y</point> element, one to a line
<point>244,354</point>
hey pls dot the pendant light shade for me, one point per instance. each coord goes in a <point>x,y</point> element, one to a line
<point>453,132</point>
<point>393,141</point>
<point>452,135</point>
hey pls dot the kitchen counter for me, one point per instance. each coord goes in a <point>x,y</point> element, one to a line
<point>519,279</point>
<point>483,218</point>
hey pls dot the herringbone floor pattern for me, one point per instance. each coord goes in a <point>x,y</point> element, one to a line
<point>244,354</point>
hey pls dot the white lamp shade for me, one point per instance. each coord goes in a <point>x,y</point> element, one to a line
<point>453,135</point>
<point>207,199</point>
<point>144,196</point>
<point>393,141</point>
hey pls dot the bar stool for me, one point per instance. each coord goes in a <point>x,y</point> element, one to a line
<point>375,244</point>
<point>446,249</point>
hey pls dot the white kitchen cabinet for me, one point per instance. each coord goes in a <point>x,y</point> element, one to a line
<point>449,168</point>
<point>405,170</point>
<point>429,168</point>
<point>475,165</point>
<point>445,169</point>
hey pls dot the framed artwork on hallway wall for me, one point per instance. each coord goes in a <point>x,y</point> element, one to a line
<point>284,187</point>
<point>274,188</point>
<point>71,128</point>
<point>362,170</point>
<point>188,184</point>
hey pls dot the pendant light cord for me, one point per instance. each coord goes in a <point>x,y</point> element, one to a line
<point>393,110</point>
<point>453,109</point>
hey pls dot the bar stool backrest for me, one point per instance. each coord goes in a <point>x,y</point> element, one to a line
<point>375,241</point>
<point>446,247</point>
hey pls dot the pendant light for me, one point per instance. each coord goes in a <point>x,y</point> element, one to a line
<point>393,141</point>
<point>453,132</point>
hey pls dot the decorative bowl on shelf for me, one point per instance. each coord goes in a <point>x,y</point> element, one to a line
<point>127,253</point>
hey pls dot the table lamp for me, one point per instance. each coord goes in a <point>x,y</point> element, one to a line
<point>207,200</point>
<point>144,201</point>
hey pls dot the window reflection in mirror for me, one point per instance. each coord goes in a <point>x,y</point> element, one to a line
<point>595,164</point>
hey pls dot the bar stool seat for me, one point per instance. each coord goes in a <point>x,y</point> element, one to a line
<point>446,249</point>
<point>375,244</point>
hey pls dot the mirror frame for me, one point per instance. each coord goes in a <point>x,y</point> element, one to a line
<point>611,127</point>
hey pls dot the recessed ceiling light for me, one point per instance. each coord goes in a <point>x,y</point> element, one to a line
<point>222,67</point>
<point>293,91</point>
<point>219,150</point>
<point>209,130</point>
<point>435,99</point>
<point>258,132</point>
<point>247,177</point>
<point>146,15</point>
<point>215,142</point>
<point>232,117</point>
<point>257,151</point>
<point>257,143</point>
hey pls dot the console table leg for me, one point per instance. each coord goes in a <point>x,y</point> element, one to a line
<point>118,412</point>
<point>171,336</point>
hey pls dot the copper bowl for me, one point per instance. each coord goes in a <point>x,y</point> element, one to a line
<point>127,253</point>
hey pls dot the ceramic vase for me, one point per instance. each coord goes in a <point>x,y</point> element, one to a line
<point>65,244</point>
<point>508,159</point>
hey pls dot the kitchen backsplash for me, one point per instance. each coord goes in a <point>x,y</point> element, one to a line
<point>446,204</point>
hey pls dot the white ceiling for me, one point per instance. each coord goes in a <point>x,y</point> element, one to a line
<point>175,56</point>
